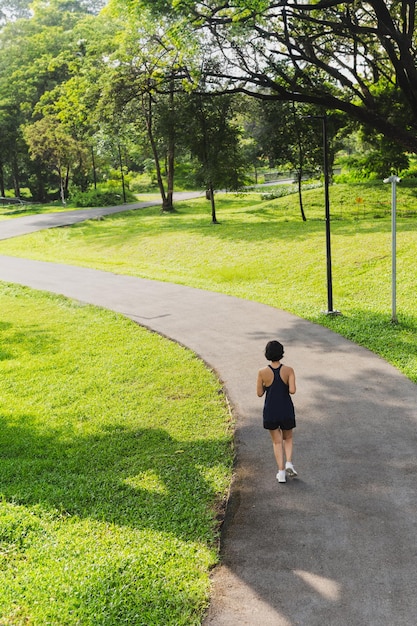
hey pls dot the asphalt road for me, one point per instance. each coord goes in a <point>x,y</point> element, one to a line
<point>336,546</point>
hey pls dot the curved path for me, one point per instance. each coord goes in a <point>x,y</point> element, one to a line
<point>338,545</point>
<point>18,226</point>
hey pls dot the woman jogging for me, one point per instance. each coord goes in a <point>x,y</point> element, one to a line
<point>278,382</point>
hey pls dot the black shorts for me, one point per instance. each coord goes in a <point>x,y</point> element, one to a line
<point>283,424</point>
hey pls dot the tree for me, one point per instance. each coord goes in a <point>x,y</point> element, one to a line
<point>213,139</point>
<point>130,99</point>
<point>291,136</point>
<point>375,155</point>
<point>11,143</point>
<point>36,56</point>
<point>49,142</point>
<point>350,56</point>
<point>142,85</point>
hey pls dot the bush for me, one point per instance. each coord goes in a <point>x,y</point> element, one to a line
<point>410,174</point>
<point>143,183</point>
<point>101,197</point>
<point>373,164</point>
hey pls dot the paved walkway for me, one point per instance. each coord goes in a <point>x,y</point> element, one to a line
<point>338,545</point>
<point>17,226</point>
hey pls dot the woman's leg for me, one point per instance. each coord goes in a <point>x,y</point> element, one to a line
<point>288,444</point>
<point>276,436</point>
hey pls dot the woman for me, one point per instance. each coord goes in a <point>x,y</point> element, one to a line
<point>278,381</point>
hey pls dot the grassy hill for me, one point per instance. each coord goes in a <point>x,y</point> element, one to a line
<point>263,251</point>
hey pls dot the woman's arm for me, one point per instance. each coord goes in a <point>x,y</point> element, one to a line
<point>291,381</point>
<point>260,387</point>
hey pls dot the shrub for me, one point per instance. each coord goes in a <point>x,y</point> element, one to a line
<point>100,197</point>
<point>143,183</point>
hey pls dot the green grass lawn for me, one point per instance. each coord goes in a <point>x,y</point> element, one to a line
<point>111,473</point>
<point>262,251</point>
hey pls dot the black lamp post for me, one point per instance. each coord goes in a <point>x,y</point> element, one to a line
<point>121,172</point>
<point>330,310</point>
<point>327,217</point>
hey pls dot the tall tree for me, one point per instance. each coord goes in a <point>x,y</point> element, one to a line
<point>353,56</point>
<point>37,56</point>
<point>142,82</point>
<point>38,50</point>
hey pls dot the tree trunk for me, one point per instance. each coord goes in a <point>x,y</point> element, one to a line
<point>300,193</point>
<point>171,154</point>
<point>66,185</point>
<point>62,190</point>
<point>2,189</point>
<point>147,111</point>
<point>300,162</point>
<point>122,173</point>
<point>158,170</point>
<point>61,184</point>
<point>213,205</point>
<point>94,168</point>
<point>170,179</point>
<point>16,182</point>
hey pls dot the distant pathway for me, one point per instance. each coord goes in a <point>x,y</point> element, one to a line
<point>338,545</point>
<point>17,226</point>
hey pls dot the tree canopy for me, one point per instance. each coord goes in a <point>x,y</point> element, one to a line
<point>353,56</point>
<point>85,75</point>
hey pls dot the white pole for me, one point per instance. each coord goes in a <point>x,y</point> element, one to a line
<point>394,180</point>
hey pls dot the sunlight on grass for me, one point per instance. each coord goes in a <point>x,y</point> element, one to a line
<point>263,251</point>
<point>110,474</point>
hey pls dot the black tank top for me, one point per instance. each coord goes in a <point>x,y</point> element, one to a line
<point>278,407</point>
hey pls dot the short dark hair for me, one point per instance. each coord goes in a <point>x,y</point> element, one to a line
<point>274,351</point>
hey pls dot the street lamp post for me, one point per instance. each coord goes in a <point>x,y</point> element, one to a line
<point>330,310</point>
<point>121,172</point>
<point>394,180</point>
<point>327,218</point>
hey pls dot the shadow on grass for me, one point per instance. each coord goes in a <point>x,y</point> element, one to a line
<point>140,478</point>
<point>33,340</point>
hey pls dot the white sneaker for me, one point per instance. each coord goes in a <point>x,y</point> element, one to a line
<point>281,476</point>
<point>289,468</point>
